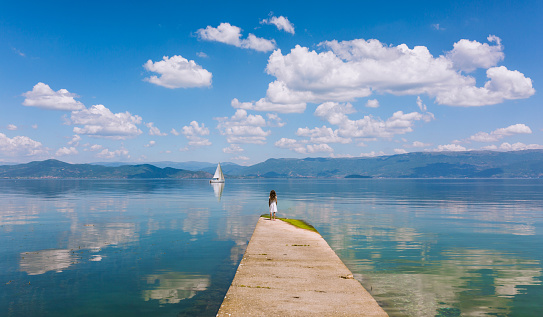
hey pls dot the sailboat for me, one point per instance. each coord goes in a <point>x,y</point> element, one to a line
<point>219,176</point>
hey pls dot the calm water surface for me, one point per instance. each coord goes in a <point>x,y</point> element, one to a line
<point>171,248</point>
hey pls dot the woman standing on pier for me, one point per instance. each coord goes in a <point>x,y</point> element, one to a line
<point>272,202</point>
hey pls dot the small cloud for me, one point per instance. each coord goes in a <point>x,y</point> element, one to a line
<point>420,144</point>
<point>231,34</point>
<point>332,155</point>
<point>95,147</point>
<point>12,127</point>
<point>42,96</point>
<point>98,121</point>
<point>400,151</point>
<point>233,148</point>
<point>20,146</point>
<point>450,147</point>
<point>281,22</point>
<point>437,27</point>
<point>154,130</point>
<point>274,120</point>
<point>174,132</point>
<point>178,72</point>
<point>520,146</point>
<point>194,132</point>
<point>150,144</point>
<point>240,158</point>
<point>202,55</point>
<point>18,52</point>
<point>421,105</point>
<point>34,126</point>
<point>500,133</point>
<point>372,154</point>
<point>75,140</point>
<point>66,151</point>
<point>106,153</point>
<point>372,103</point>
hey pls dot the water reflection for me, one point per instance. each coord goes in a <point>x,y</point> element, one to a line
<point>423,248</point>
<point>173,287</point>
<point>82,240</point>
<point>217,189</point>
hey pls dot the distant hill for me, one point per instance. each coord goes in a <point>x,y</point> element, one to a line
<point>58,169</point>
<point>469,164</point>
<point>191,165</point>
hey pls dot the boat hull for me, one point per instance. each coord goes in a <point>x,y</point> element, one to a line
<point>216,181</point>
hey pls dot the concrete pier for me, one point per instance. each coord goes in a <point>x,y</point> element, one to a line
<point>288,271</point>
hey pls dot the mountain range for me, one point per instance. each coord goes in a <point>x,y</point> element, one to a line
<point>469,164</point>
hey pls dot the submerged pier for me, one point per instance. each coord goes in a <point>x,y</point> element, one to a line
<point>289,271</point>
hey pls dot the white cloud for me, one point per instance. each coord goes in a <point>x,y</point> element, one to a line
<point>341,155</point>
<point>42,96</point>
<point>265,105</point>
<point>174,132</point>
<point>520,146</point>
<point>372,103</point>
<point>322,135</point>
<point>230,34</point>
<point>420,144</point>
<point>18,52</point>
<point>450,147</point>
<point>34,126</point>
<point>500,133</point>
<point>368,127</point>
<point>178,72</point>
<point>400,151</point>
<point>154,130</point>
<point>96,147</point>
<point>436,26</point>
<point>20,146</point>
<point>301,147</point>
<point>233,148</point>
<point>194,129</point>
<point>150,144</point>
<point>240,158</point>
<point>194,132</point>
<point>354,69</point>
<point>243,128</point>
<point>274,120</point>
<point>421,105</point>
<point>281,23</point>
<point>66,151</point>
<point>372,154</point>
<point>490,147</point>
<point>202,55</point>
<point>99,121</point>
<point>106,153</point>
<point>75,140</point>
<point>12,127</point>
<point>503,84</point>
<point>469,55</point>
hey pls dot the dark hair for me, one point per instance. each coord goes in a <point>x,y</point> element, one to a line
<point>273,197</point>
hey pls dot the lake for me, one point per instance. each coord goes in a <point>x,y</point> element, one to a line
<point>422,247</point>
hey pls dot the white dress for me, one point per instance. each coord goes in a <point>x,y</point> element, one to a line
<point>273,206</point>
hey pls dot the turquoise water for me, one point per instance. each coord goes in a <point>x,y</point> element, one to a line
<point>171,248</point>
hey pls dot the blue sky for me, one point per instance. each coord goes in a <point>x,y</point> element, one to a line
<point>245,81</point>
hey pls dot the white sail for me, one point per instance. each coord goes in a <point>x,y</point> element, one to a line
<point>218,177</point>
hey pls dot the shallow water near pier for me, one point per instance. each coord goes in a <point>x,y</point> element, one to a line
<point>171,247</point>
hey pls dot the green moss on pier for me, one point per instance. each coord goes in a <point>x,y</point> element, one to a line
<point>295,222</point>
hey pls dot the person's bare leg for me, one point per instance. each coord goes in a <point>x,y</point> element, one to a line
<point>271,216</point>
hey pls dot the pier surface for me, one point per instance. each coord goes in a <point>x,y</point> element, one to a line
<point>288,271</point>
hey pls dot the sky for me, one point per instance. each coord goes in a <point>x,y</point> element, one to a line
<point>242,82</point>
